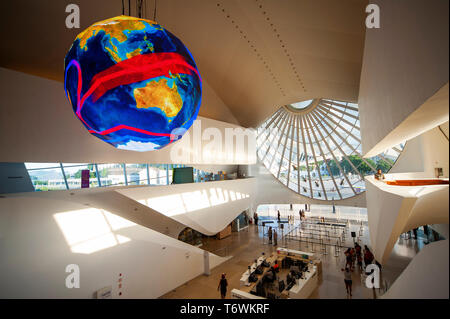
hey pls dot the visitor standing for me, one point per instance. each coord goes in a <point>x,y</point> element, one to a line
<point>353,254</point>
<point>379,175</point>
<point>279,216</point>
<point>358,255</point>
<point>275,237</point>
<point>223,286</point>
<point>269,234</point>
<point>348,280</point>
<point>368,256</point>
<point>255,217</point>
<point>348,259</point>
<point>415,233</point>
<point>359,261</point>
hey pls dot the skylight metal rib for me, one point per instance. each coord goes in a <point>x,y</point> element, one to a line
<point>340,111</point>
<point>298,155</point>
<point>284,148</point>
<point>279,141</point>
<point>290,154</point>
<point>274,135</point>
<point>306,158</point>
<point>341,170</point>
<point>315,161</point>
<point>325,161</point>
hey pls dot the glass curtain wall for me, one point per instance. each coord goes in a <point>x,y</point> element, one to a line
<point>61,176</point>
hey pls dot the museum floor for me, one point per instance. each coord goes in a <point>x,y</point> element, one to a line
<point>245,246</point>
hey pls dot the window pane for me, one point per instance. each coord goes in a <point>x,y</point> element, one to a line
<point>47,179</point>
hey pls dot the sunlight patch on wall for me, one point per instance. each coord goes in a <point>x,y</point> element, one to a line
<point>177,204</point>
<point>90,230</point>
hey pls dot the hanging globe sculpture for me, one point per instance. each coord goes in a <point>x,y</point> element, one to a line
<point>132,83</point>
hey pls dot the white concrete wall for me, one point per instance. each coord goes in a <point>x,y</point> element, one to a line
<point>425,277</point>
<point>405,63</point>
<point>445,129</point>
<point>206,207</point>
<point>393,210</point>
<point>423,154</point>
<point>442,229</point>
<point>39,237</point>
<point>37,124</point>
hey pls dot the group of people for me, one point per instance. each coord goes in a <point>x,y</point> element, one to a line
<point>301,212</point>
<point>353,255</point>
<point>356,254</point>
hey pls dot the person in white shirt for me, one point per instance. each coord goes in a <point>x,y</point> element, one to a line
<point>348,280</point>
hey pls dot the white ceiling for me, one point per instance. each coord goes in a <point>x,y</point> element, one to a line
<point>255,54</point>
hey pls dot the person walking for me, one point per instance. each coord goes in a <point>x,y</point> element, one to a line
<point>275,237</point>
<point>348,259</point>
<point>358,255</point>
<point>348,280</point>
<point>353,254</point>
<point>279,216</point>
<point>359,261</point>
<point>415,233</point>
<point>269,234</point>
<point>223,284</point>
<point>255,217</point>
<point>368,256</point>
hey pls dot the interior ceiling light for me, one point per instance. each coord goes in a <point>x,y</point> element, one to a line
<point>132,83</point>
<point>314,148</point>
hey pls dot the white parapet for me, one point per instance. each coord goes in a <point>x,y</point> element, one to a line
<point>393,210</point>
<point>206,207</point>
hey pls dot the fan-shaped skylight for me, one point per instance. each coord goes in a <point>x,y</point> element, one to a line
<point>317,153</point>
<point>301,105</point>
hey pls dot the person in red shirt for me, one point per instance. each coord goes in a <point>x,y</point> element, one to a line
<point>276,267</point>
<point>368,256</point>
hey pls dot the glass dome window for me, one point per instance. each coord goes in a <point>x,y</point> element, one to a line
<point>317,152</point>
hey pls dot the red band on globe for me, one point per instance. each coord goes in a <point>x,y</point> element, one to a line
<point>136,69</point>
<point>104,85</point>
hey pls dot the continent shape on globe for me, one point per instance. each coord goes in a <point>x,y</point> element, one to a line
<point>132,83</point>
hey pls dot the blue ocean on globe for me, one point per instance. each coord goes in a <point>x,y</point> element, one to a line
<point>132,83</point>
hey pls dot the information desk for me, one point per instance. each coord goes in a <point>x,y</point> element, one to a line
<point>305,285</point>
<point>297,253</point>
<point>248,286</point>
<point>300,255</point>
